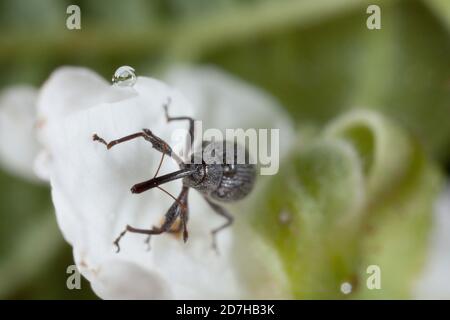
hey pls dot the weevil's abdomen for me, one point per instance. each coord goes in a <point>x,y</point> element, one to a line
<point>225,174</point>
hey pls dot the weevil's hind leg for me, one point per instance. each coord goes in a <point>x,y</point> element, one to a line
<point>224,213</point>
<point>191,123</point>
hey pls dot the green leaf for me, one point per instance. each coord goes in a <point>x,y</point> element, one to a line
<point>360,194</point>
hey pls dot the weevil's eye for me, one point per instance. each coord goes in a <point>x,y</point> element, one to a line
<point>229,169</point>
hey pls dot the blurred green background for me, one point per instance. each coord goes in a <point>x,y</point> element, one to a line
<point>316,56</point>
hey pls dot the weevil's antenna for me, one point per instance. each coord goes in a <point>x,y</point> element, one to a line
<point>160,188</point>
<point>173,197</point>
<point>160,162</point>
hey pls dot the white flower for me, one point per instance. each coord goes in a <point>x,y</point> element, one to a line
<point>91,185</point>
<point>17,130</point>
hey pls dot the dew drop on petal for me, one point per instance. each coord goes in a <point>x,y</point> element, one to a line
<point>346,288</point>
<point>125,76</point>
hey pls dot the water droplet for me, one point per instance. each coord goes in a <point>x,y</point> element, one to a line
<point>346,288</point>
<point>125,76</point>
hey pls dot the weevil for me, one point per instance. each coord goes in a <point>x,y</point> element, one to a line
<point>218,182</point>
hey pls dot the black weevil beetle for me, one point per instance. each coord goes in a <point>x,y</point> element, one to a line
<point>222,181</point>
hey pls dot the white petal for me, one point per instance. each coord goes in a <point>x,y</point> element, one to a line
<point>18,145</point>
<point>69,90</point>
<point>434,283</point>
<point>72,89</point>
<point>117,279</point>
<point>223,101</point>
<point>41,165</point>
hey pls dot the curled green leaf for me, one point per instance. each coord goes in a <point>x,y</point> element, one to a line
<point>358,195</point>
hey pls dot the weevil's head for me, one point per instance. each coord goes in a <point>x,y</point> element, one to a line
<point>217,167</point>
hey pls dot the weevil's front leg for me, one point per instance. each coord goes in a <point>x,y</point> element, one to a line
<point>112,143</point>
<point>157,143</point>
<point>172,214</point>
<point>183,217</point>
<point>160,145</point>
<point>224,213</point>
<point>175,231</point>
<point>170,217</point>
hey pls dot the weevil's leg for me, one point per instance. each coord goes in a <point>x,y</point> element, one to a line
<point>191,123</point>
<point>224,213</point>
<point>183,217</point>
<point>147,241</point>
<point>112,143</point>
<point>170,217</point>
<point>172,214</point>
<point>157,143</point>
<point>160,145</point>
<point>176,230</point>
